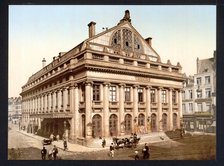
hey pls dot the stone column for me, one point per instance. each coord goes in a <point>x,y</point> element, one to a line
<point>39,123</point>
<point>46,102</point>
<point>65,100</point>
<point>72,110</point>
<point>76,110</point>
<point>39,103</point>
<point>170,110</point>
<point>121,111</point>
<point>159,124</point>
<point>180,108</point>
<point>59,100</point>
<point>43,103</point>
<point>106,109</point>
<point>88,103</point>
<point>49,101</point>
<point>37,106</point>
<point>135,108</point>
<point>148,108</point>
<point>54,104</point>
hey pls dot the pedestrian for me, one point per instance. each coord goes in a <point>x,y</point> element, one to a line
<point>43,153</point>
<point>57,137</point>
<point>55,152</point>
<point>112,150</point>
<point>65,145</point>
<point>103,143</point>
<point>146,152</point>
<point>52,137</point>
<point>136,155</point>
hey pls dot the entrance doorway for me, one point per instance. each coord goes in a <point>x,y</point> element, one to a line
<point>113,125</point>
<point>97,127</point>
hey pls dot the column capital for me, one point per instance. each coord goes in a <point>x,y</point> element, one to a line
<point>106,84</point>
<point>148,87</point>
<point>171,89</point>
<point>160,87</point>
<point>136,86</point>
<point>65,87</point>
<point>73,85</point>
<point>89,83</point>
<point>122,84</point>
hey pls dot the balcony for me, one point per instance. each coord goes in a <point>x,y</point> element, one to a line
<point>128,104</point>
<point>175,105</point>
<point>165,105</point>
<point>141,105</point>
<point>97,104</point>
<point>154,105</point>
<point>113,104</point>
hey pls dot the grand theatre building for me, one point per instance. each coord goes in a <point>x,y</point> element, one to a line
<point>111,84</point>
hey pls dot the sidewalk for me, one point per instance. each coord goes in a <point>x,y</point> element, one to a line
<point>96,143</point>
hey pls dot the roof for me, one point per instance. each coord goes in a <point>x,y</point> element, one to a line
<point>206,65</point>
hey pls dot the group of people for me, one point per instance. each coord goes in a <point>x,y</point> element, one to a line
<point>52,154</point>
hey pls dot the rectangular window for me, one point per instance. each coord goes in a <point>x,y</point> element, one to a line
<point>199,81</point>
<point>112,93</point>
<point>68,98</point>
<point>208,107</point>
<point>140,95</point>
<point>96,92</point>
<point>199,107</point>
<point>199,94</point>
<point>183,95</point>
<point>153,96</point>
<point>207,80</point>
<point>83,93</point>
<point>163,96</point>
<point>190,94</point>
<point>174,97</point>
<point>127,94</point>
<point>183,107</point>
<point>190,106</point>
<point>208,92</point>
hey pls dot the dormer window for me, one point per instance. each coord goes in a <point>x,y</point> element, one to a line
<point>127,44</point>
<point>115,41</point>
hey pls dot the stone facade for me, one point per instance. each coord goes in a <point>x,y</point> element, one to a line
<point>111,84</point>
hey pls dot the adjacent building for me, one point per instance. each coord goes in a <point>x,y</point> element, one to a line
<point>14,109</point>
<point>199,97</point>
<point>111,84</point>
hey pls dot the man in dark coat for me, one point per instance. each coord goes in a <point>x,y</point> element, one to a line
<point>146,152</point>
<point>43,153</point>
<point>55,152</point>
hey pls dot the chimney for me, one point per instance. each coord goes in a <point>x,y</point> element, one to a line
<point>149,41</point>
<point>91,29</point>
<point>43,62</point>
<point>197,62</point>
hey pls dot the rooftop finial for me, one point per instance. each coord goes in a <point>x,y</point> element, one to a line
<point>126,17</point>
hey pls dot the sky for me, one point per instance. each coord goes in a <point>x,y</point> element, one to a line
<point>179,33</point>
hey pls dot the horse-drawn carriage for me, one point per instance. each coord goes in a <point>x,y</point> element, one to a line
<point>130,142</point>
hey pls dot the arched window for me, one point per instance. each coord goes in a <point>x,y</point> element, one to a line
<point>164,122</point>
<point>153,122</point>
<point>128,123</point>
<point>97,126</point>
<point>141,120</point>
<point>113,125</point>
<point>174,121</point>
